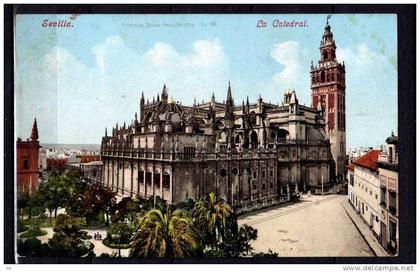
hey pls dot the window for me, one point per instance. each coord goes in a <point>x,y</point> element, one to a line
<point>263,185</point>
<point>189,152</point>
<point>370,192</point>
<point>25,164</point>
<point>271,185</point>
<point>263,173</point>
<point>156,179</point>
<point>392,202</point>
<point>271,173</point>
<point>141,176</point>
<point>166,181</point>
<point>332,77</point>
<point>254,185</point>
<point>149,178</point>
<point>223,173</point>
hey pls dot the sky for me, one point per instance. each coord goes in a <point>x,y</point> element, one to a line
<point>78,80</point>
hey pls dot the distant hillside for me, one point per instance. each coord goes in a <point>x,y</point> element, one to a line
<point>89,147</point>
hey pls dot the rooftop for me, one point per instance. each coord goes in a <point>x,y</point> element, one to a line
<point>368,160</point>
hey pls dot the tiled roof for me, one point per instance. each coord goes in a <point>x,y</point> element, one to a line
<point>368,160</point>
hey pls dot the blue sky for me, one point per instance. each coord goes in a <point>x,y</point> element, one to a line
<point>77,81</point>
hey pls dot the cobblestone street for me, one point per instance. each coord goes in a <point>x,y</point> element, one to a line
<point>315,226</point>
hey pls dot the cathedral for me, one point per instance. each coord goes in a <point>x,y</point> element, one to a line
<point>253,155</point>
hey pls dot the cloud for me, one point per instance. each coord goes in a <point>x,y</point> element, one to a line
<point>293,75</point>
<point>288,54</point>
<point>369,78</point>
<point>72,90</point>
<point>101,50</point>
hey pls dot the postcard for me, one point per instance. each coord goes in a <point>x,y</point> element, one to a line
<point>211,136</point>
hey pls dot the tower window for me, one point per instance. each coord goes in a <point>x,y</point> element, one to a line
<point>325,55</point>
<point>26,164</point>
<point>322,77</point>
<point>328,77</point>
<point>332,77</point>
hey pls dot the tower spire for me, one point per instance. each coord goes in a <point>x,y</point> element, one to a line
<point>34,134</point>
<point>106,132</point>
<point>164,95</point>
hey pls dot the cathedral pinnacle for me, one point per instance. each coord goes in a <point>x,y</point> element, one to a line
<point>34,134</point>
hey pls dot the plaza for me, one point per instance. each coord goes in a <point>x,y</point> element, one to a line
<point>316,226</point>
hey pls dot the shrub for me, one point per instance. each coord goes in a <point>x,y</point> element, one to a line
<point>122,229</point>
<point>32,247</point>
<point>107,242</point>
<point>33,231</point>
<point>21,227</point>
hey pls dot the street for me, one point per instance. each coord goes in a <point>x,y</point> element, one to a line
<point>315,226</point>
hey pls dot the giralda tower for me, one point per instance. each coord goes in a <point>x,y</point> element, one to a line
<point>328,87</point>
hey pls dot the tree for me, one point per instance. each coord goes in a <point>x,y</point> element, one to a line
<point>126,209</point>
<point>212,216</point>
<point>122,229</point>
<point>36,204</point>
<point>97,199</point>
<point>22,202</point>
<point>74,207</point>
<point>164,234</point>
<point>56,192</point>
<point>68,240</point>
<point>238,242</point>
<point>32,247</point>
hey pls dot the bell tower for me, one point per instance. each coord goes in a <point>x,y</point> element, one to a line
<point>328,87</point>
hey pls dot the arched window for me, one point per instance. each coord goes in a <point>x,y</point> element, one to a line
<point>328,77</point>
<point>282,135</point>
<point>254,139</point>
<point>325,55</point>
<point>238,139</point>
<point>322,77</point>
<point>253,118</point>
<point>332,76</point>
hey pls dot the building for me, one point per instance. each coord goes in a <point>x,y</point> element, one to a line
<point>88,158</point>
<point>57,163</point>
<point>27,161</point>
<point>364,189</point>
<point>92,170</point>
<point>388,177</point>
<point>252,154</point>
<point>42,160</point>
<point>328,87</point>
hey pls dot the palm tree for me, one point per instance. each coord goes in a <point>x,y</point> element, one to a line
<point>164,234</point>
<point>213,217</point>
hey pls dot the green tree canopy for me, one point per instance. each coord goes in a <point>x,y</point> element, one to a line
<point>164,234</point>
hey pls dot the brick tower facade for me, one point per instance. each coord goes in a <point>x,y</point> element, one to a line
<point>328,93</point>
<point>27,161</point>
